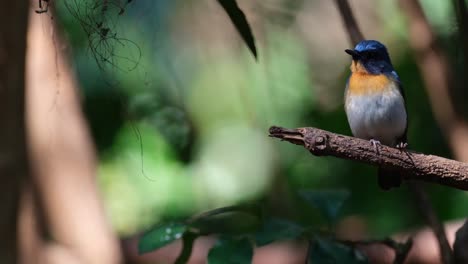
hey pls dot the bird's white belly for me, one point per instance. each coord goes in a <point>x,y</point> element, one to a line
<point>381,117</point>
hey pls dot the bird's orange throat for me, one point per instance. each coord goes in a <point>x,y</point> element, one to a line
<point>361,83</point>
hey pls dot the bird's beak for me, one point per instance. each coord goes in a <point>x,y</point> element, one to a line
<point>355,54</point>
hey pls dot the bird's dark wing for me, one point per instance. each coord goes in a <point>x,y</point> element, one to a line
<point>394,76</point>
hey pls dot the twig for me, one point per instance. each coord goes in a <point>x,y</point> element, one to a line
<point>416,166</point>
<point>41,8</point>
<point>461,242</point>
<point>425,207</point>
<point>354,33</point>
<point>187,239</point>
<point>461,13</point>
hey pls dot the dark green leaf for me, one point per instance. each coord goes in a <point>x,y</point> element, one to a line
<point>240,22</point>
<point>234,220</point>
<point>231,251</point>
<point>277,229</point>
<point>328,202</point>
<point>325,251</point>
<point>160,236</point>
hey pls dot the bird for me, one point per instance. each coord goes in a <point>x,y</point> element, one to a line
<point>375,103</point>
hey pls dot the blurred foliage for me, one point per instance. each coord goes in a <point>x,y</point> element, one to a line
<point>231,251</point>
<point>233,220</point>
<point>274,229</point>
<point>179,111</point>
<point>237,239</point>
<point>329,203</point>
<point>327,251</point>
<point>161,236</point>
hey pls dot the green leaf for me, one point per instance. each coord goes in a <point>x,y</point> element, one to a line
<point>160,236</point>
<point>277,229</point>
<point>239,20</point>
<point>233,220</point>
<point>325,251</point>
<point>328,202</point>
<point>231,251</point>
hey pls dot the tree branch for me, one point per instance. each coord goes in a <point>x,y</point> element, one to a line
<point>416,166</point>
<point>461,13</point>
<point>354,33</point>
<point>461,241</point>
<point>425,207</point>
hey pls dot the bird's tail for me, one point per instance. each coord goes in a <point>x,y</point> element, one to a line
<point>388,178</point>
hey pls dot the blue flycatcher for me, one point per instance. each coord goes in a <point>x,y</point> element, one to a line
<point>375,103</point>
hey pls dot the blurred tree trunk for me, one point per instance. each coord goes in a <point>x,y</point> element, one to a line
<point>13,160</point>
<point>63,161</point>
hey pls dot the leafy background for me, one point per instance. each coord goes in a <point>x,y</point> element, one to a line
<point>179,109</point>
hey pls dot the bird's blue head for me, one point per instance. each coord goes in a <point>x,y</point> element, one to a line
<point>370,56</point>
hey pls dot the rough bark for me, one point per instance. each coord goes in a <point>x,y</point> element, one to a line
<point>416,166</point>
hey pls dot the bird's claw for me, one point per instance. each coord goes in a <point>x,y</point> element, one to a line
<point>375,144</point>
<point>401,145</point>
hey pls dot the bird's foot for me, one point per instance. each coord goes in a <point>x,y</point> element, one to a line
<point>401,145</point>
<point>376,144</point>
